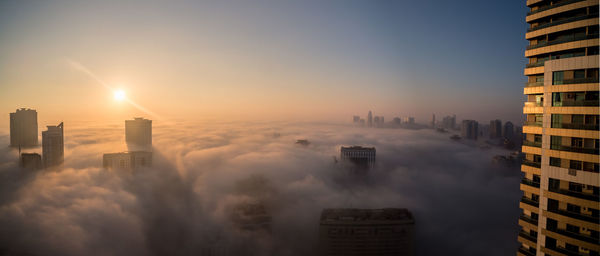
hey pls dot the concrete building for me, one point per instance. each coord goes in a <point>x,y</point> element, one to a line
<point>509,130</point>
<point>32,161</point>
<point>366,232</point>
<point>495,129</point>
<point>138,131</point>
<point>370,119</point>
<point>469,129</point>
<point>360,156</point>
<point>53,148</point>
<point>23,128</point>
<point>127,160</point>
<point>560,202</point>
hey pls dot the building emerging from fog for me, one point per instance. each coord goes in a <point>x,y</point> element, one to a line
<point>560,204</point>
<point>251,217</point>
<point>366,232</point>
<point>469,129</point>
<point>127,160</point>
<point>53,149</point>
<point>495,129</point>
<point>32,161</point>
<point>23,128</point>
<point>138,131</point>
<point>360,156</point>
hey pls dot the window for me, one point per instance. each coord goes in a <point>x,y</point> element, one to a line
<point>579,74</point>
<point>573,164</point>
<point>536,178</point>
<point>537,138</point>
<point>537,158</point>
<point>591,167</point>
<point>555,161</point>
<point>575,187</point>
<point>557,118</point>
<point>558,77</point>
<point>577,119</point>
<point>555,142</point>
<point>572,228</point>
<point>577,142</point>
<point>553,184</point>
<point>552,205</point>
<point>573,208</point>
<point>551,224</point>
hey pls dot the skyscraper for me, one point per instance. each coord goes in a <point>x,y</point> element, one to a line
<point>53,150</point>
<point>31,161</point>
<point>469,129</point>
<point>23,128</point>
<point>366,232</point>
<point>432,121</point>
<point>127,160</point>
<point>509,130</point>
<point>138,131</point>
<point>560,204</point>
<point>370,119</point>
<point>360,156</point>
<point>495,129</point>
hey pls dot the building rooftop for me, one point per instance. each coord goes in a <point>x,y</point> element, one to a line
<point>366,215</point>
<point>357,148</point>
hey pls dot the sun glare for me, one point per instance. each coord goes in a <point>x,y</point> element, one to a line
<point>119,95</point>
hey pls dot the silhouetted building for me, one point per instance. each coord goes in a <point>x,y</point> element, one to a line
<point>251,217</point>
<point>356,119</point>
<point>360,156</point>
<point>449,122</point>
<point>376,121</point>
<point>127,160</point>
<point>138,131</point>
<point>509,130</point>
<point>370,119</point>
<point>53,149</point>
<point>397,121</point>
<point>432,121</point>
<point>495,129</point>
<point>469,129</point>
<point>560,204</point>
<point>32,161</point>
<point>360,232</point>
<point>23,128</point>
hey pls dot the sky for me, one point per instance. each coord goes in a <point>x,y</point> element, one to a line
<point>262,60</point>
<point>462,203</point>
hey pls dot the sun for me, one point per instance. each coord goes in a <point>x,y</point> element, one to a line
<point>119,95</point>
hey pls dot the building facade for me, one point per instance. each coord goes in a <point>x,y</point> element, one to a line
<point>53,149</point>
<point>127,160</point>
<point>138,131</point>
<point>560,200</point>
<point>23,128</point>
<point>31,161</point>
<point>360,156</point>
<point>469,129</point>
<point>358,232</point>
<point>495,129</point>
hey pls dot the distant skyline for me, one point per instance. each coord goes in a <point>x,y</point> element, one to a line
<point>264,60</point>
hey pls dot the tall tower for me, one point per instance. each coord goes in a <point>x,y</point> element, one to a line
<point>370,119</point>
<point>138,131</point>
<point>53,150</point>
<point>23,128</point>
<point>560,204</point>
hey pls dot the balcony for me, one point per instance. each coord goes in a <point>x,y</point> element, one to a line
<point>532,163</point>
<point>548,7</point>
<point>531,104</point>
<point>536,64</point>
<point>593,151</point>
<point>532,144</point>
<point>528,219</point>
<point>529,182</point>
<point>534,84</point>
<point>576,126</point>
<point>554,23</point>
<point>564,251</point>
<point>527,236</point>
<point>532,123</point>
<point>525,251</point>
<point>574,215</point>
<point>580,103</point>
<point>584,80</point>
<point>529,201</point>
<point>562,40</point>
<point>578,236</point>
<point>576,194</point>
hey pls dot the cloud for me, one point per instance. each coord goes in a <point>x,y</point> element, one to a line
<point>202,171</point>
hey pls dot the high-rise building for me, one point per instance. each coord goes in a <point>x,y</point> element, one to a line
<point>370,119</point>
<point>356,119</point>
<point>560,204</point>
<point>495,129</point>
<point>32,161</point>
<point>360,156</point>
<point>432,121</point>
<point>23,128</point>
<point>469,129</point>
<point>53,149</point>
<point>138,131</point>
<point>449,122</point>
<point>366,232</point>
<point>509,130</point>
<point>376,121</point>
<point>127,160</point>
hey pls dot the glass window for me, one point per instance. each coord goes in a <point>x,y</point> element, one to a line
<point>555,142</point>
<point>577,119</point>
<point>537,138</point>
<point>558,77</point>
<point>556,99</point>
<point>579,74</point>
<point>577,142</point>
<point>555,161</point>
<point>573,164</point>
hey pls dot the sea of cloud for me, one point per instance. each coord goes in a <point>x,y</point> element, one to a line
<point>461,202</point>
